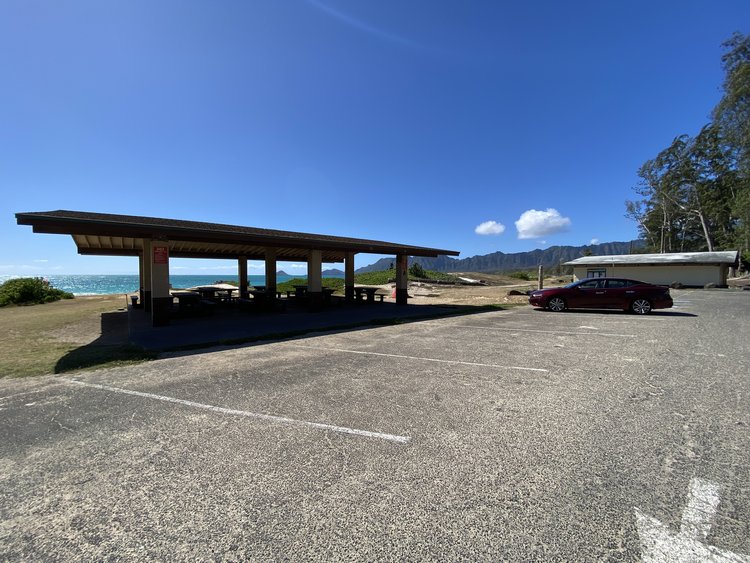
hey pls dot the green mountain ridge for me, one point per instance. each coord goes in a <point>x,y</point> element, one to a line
<point>502,262</point>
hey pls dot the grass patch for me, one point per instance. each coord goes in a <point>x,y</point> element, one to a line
<point>62,336</point>
<point>388,276</point>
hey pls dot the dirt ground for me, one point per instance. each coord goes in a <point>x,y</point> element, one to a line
<point>439,294</point>
<point>499,290</point>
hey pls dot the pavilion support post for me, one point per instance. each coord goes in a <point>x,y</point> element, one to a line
<point>141,282</point>
<point>242,274</point>
<point>146,276</point>
<point>161,299</point>
<point>315,279</point>
<point>402,278</point>
<point>349,276</point>
<point>271,271</point>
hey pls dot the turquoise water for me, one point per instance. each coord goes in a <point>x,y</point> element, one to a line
<point>104,284</point>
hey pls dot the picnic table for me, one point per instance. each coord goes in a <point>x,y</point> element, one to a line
<point>368,294</point>
<point>218,292</point>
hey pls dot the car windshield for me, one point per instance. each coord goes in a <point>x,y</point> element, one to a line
<point>574,284</point>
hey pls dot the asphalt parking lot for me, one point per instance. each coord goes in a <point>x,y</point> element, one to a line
<point>511,435</point>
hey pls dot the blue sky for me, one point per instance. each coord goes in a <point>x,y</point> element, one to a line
<point>472,126</point>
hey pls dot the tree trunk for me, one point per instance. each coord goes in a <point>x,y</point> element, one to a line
<point>705,231</point>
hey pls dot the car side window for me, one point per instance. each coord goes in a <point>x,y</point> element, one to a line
<point>591,284</point>
<point>616,284</point>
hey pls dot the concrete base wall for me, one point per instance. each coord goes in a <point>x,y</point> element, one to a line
<point>161,310</point>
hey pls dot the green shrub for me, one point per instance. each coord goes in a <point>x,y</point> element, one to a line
<point>30,291</point>
<point>389,276</point>
<point>336,284</point>
<point>525,276</point>
<point>440,276</point>
<point>375,278</point>
<point>417,271</point>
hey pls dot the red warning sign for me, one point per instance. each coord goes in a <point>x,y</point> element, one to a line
<point>161,254</point>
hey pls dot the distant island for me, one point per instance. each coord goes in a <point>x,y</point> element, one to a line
<point>333,272</point>
<point>281,273</point>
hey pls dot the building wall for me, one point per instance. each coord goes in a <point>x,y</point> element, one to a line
<point>686,274</point>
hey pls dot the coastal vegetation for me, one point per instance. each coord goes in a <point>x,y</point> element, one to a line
<point>522,275</point>
<point>337,284</point>
<point>695,194</point>
<point>30,291</point>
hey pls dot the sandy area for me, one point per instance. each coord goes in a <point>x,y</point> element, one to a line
<point>438,294</point>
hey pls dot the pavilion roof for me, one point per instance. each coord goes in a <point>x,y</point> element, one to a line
<point>123,235</point>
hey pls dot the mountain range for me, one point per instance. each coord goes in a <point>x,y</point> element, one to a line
<point>502,262</point>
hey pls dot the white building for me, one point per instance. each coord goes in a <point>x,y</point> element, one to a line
<point>687,268</point>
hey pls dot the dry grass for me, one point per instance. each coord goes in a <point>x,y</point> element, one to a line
<point>64,336</point>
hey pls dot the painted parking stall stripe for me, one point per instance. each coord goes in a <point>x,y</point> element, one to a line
<point>420,358</point>
<point>246,414</point>
<point>570,332</point>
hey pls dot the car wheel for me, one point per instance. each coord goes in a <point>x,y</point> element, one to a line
<point>641,306</point>
<point>556,304</point>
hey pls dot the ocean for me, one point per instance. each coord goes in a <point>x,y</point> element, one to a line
<point>105,284</point>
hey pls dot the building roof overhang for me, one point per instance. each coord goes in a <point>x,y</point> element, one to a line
<point>123,235</point>
<point>728,258</point>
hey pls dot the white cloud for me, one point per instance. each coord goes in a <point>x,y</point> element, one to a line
<point>298,266</point>
<point>218,268</point>
<point>489,228</point>
<point>41,261</point>
<point>594,241</point>
<point>534,224</point>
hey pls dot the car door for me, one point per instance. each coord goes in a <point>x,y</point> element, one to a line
<point>619,294</point>
<point>588,294</point>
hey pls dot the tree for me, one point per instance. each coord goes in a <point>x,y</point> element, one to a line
<point>695,194</point>
<point>732,117</point>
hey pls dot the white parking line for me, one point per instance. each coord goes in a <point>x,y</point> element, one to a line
<point>511,329</point>
<point>272,418</point>
<point>401,356</point>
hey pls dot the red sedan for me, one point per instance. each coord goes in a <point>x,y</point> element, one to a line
<point>604,293</point>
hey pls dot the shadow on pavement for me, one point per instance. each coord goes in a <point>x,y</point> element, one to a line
<point>128,336</point>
